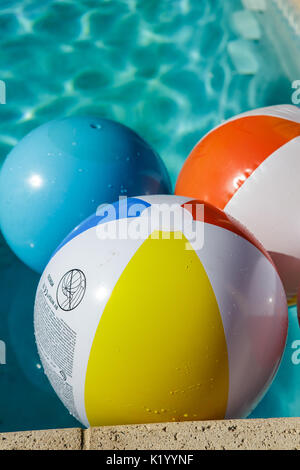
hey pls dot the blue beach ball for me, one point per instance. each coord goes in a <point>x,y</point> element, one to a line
<point>62,171</point>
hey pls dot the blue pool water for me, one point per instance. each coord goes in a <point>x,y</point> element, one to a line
<point>171,70</point>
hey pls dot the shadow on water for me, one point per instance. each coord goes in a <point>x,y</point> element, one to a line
<point>283,398</point>
<point>27,400</point>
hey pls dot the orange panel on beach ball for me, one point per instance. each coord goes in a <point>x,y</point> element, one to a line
<point>227,156</point>
<point>249,166</point>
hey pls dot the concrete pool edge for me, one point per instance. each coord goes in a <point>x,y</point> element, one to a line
<point>250,434</point>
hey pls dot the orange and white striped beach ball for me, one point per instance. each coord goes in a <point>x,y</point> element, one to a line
<point>249,166</point>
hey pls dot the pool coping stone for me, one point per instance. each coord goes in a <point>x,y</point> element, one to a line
<point>244,434</point>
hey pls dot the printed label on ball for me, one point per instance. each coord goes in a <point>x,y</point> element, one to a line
<point>71,289</point>
<point>56,340</point>
<point>70,300</point>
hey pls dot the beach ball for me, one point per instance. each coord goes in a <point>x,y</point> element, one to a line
<point>283,397</point>
<point>249,166</point>
<point>160,309</point>
<point>298,306</point>
<point>61,172</point>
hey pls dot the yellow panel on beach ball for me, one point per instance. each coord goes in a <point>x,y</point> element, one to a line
<point>157,355</point>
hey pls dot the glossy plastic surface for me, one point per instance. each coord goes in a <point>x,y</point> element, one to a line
<point>283,397</point>
<point>187,321</point>
<point>61,172</point>
<point>249,166</point>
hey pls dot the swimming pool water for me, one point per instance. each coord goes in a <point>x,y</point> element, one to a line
<point>170,69</point>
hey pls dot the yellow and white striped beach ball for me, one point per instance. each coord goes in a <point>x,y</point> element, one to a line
<point>160,309</point>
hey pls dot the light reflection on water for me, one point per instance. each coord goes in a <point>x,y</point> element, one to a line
<point>171,70</point>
